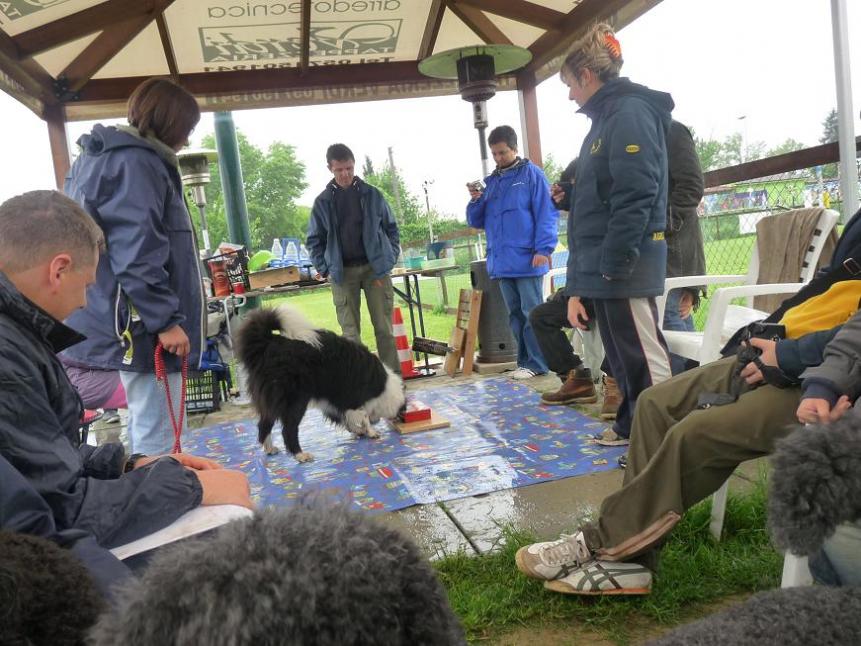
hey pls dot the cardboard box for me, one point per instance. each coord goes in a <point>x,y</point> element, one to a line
<point>272,277</point>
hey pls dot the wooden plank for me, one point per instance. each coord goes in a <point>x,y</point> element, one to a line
<point>471,332</point>
<point>58,139</point>
<point>425,425</point>
<point>452,359</point>
<point>528,13</point>
<point>481,25</point>
<point>272,277</point>
<point>77,25</point>
<point>435,14</point>
<point>304,36</point>
<point>167,45</point>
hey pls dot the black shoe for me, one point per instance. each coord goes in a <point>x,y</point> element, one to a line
<point>623,461</point>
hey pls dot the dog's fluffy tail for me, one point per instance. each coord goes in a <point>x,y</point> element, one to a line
<point>256,333</point>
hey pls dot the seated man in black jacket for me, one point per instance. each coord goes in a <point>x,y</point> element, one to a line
<point>49,248</point>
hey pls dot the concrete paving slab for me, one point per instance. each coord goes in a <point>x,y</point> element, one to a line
<point>545,509</point>
<point>431,529</point>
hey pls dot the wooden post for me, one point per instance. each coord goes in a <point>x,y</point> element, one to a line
<point>55,116</point>
<point>530,131</point>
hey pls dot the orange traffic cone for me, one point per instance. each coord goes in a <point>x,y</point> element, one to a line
<point>405,355</point>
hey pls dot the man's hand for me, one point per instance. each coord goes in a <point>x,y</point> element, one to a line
<point>750,373</point>
<point>192,462</point>
<point>557,193</point>
<point>473,194</point>
<point>377,282</point>
<point>813,410</point>
<point>175,341</point>
<point>577,311</point>
<point>320,277</point>
<point>224,487</point>
<point>539,259</point>
<point>686,304</point>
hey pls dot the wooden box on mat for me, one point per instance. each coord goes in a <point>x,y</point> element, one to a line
<point>272,277</point>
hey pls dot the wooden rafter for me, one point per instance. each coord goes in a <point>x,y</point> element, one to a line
<point>552,44</point>
<point>105,47</point>
<point>220,83</point>
<point>528,13</point>
<point>80,24</point>
<point>31,76</point>
<point>437,10</point>
<point>480,24</point>
<point>167,45</point>
<point>305,36</point>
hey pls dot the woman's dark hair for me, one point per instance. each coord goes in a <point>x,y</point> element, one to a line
<point>161,108</point>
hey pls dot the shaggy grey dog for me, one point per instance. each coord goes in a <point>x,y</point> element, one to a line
<point>815,484</point>
<point>305,575</point>
<point>787,617</point>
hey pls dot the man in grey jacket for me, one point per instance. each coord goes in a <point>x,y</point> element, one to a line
<point>353,241</point>
<point>49,250</point>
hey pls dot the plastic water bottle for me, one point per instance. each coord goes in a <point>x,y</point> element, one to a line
<point>304,263</point>
<point>278,252</point>
<point>291,255</point>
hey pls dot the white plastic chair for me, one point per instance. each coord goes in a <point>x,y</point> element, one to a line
<point>724,319</point>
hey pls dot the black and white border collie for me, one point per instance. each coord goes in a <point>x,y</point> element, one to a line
<point>291,365</point>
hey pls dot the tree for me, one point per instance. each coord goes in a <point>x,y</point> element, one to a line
<point>367,167</point>
<point>709,152</point>
<point>787,146</point>
<point>273,180</point>
<point>830,130</point>
<point>552,169</point>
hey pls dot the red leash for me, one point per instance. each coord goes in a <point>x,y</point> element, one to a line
<point>161,375</point>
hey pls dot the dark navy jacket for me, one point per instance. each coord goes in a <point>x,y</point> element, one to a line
<point>39,436</point>
<point>620,201</point>
<point>379,232</point>
<point>24,511</point>
<point>136,197</point>
<point>520,220</point>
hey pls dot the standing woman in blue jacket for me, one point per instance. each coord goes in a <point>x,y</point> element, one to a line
<point>148,285</point>
<point>618,253</point>
<point>519,218</point>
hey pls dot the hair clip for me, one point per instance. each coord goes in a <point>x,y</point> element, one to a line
<point>613,46</point>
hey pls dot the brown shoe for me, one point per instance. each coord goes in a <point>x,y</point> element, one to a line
<point>612,398</point>
<point>578,388</point>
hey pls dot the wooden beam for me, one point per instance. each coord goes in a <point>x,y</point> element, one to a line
<point>56,120</point>
<point>528,13</point>
<point>305,36</point>
<point>31,76</point>
<point>269,80</point>
<point>528,104</point>
<point>553,44</point>
<point>167,45</point>
<point>105,47</point>
<point>785,163</point>
<point>437,11</point>
<point>480,24</point>
<point>80,24</point>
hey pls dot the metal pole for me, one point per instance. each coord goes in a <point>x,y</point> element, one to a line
<point>427,205</point>
<point>396,192</point>
<point>230,169</point>
<point>482,144</point>
<point>845,112</point>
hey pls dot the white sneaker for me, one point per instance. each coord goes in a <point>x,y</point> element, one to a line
<point>604,577</point>
<point>553,559</point>
<point>521,373</point>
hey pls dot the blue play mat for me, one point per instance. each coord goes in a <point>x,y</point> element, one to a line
<point>501,437</point>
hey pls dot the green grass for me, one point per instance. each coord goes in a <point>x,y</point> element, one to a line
<point>491,597</point>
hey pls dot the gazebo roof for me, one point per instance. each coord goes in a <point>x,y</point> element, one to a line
<point>85,57</point>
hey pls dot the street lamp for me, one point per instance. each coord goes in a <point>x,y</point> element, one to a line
<point>425,185</point>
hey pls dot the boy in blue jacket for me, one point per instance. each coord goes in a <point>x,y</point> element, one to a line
<point>520,220</point>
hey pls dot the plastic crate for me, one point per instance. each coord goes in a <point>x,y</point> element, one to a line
<point>202,392</point>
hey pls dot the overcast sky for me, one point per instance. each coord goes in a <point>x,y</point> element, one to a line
<point>770,61</point>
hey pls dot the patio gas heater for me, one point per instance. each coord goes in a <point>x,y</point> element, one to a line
<point>194,169</point>
<point>475,69</point>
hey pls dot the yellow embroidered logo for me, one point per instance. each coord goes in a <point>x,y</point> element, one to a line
<point>658,236</point>
<point>632,148</point>
<point>596,146</point>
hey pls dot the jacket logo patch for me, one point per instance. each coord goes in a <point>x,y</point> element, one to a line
<point>518,184</point>
<point>632,148</point>
<point>658,236</point>
<point>596,146</point>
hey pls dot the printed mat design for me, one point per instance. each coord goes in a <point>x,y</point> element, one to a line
<point>501,437</point>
